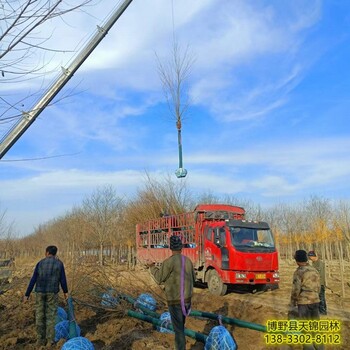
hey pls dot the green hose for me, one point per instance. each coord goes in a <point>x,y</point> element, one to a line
<point>197,313</point>
<point>132,301</point>
<point>73,327</point>
<point>230,320</point>
<point>195,335</point>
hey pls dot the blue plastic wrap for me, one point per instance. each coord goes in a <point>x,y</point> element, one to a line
<point>78,343</point>
<point>220,339</point>
<point>147,301</point>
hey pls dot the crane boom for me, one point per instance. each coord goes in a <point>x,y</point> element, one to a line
<point>28,118</point>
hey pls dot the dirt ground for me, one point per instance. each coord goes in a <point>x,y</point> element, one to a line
<point>112,329</point>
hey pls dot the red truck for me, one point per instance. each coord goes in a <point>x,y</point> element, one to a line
<point>223,246</point>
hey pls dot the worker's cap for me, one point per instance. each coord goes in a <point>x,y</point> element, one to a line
<point>300,256</point>
<point>311,253</point>
<point>175,243</point>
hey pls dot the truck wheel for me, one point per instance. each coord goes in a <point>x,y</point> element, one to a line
<point>215,284</point>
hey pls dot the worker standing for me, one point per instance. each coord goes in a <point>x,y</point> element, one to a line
<point>48,274</point>
<point>305,292</point>
<point>320,266</point>
<point>177,274</point>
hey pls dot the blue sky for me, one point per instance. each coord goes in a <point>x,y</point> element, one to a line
<point>269,114</point>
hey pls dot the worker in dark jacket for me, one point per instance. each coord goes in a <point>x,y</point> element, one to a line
<point>48,274</point>
<point>177,274</point>
<point>320,266</point>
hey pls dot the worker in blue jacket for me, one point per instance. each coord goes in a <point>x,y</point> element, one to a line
<point>48,274</point>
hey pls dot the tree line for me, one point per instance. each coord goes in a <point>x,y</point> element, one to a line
<point>105,221</point>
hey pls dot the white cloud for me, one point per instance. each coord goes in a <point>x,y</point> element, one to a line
<point>204,179</point>
<point>314,162</point>
<point>238,47</point>
<point>223,34</point>
<point>271,171</point>
<point>250,58</point>
<point>274,186</point>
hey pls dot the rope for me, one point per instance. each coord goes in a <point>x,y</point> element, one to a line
<point>182,286</point>
<point>165,325</point>
<point>220,319</point>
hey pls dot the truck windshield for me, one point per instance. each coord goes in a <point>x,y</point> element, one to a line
<point>252,239</point>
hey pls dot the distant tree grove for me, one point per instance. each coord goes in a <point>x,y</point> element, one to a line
<point>103,226</point>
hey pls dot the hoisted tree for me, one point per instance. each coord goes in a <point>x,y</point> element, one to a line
<point>174,75</point>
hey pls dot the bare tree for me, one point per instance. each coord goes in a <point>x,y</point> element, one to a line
<point>343,219</point>
<point>20,35</point>
<point>22,45</point>
<point>155,199</point>
<point>6,236</point>
<point>174,74</point>
<point>102,211</point>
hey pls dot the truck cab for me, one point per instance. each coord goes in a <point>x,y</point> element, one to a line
<point>238,252</point>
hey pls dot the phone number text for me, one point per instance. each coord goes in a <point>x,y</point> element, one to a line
<point>332,339</point>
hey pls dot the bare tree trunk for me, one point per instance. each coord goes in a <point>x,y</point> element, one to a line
<point>323,248</point>
<point>341,267</point>
<point>101,254</point>
<point>328,251</point>
<point>331,251</point>
<point>129,257</point>
<point>73,254</point>
<point>113,257</point>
